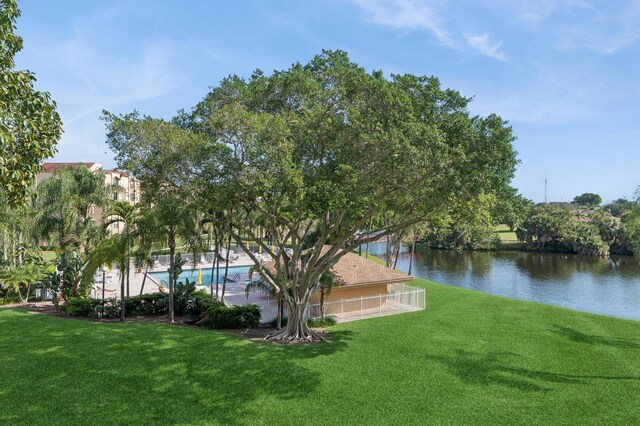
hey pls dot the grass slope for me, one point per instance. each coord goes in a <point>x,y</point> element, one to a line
<point>468,358</point>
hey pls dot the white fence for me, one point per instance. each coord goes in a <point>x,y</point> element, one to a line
<point>400,299</point>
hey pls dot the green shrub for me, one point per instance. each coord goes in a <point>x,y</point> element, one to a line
<point>461,237</point>
<point>201,302</point>
<point>320,322</point>
<point>154,303</point>
<point>6,299</point>
<point>242,316</point>
<point>145,305</point>
<point>312,322</point>
<point>111,308</point>
<point>108,308</point>
<point>183,297</point>
<point>79,307</point>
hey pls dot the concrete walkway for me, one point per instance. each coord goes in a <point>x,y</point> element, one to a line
<point>235,291</point>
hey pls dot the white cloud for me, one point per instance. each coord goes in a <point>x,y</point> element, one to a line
<point>416,15</point>
<point>483,45</point>
<point>407,14</point>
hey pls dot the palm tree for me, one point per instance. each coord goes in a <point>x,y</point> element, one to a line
<point>65,204</point>
<point>112,250</point>
<point>327,283</point>
<point>174,219</point>
<point>22,276</point>
<point>129,215</point>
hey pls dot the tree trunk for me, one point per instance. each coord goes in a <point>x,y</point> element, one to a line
<point>144,279</point>
<point>19,247</point>
<point>322,302</point>
<point>213,268</point>
<point>413,251</point>
<point>368,230</point>
<point>396,253</point>
<point>172,251</point>
<point>297,327</point>
<point>218,241</point>
<point>388,254</point>
<point>4,246</point>
<point>128,263</point>
<point>13,246</point>
<point>226,269</point>
<point>279,315</point>
<point>122,281</point>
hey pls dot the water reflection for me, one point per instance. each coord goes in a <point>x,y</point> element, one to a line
<point>608,286</point>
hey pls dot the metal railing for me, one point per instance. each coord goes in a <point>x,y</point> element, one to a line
<point>162,260</point>
<point>400,299</point>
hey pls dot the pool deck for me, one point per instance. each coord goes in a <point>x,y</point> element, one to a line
<point>234,293</point>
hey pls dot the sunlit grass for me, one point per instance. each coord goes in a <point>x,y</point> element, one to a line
<point>469,358</point>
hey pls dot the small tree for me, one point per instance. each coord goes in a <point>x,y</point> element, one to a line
<point>29,124</point>
<point>20,279</point>
<point>65,205</point>
<point>588,200</point>
<point>129,215</point>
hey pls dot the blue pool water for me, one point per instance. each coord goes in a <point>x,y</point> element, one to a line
<point>192,275</point>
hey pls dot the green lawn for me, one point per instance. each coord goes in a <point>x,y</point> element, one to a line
<point>508,238</point>
<point>469,358</point>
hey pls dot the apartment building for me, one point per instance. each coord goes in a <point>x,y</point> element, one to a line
<point>122,187</point>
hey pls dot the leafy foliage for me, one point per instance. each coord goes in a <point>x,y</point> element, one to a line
<point>546,228</point>
<point>241,316</point>
<point>193,303</point>
<point>323,147</point>
<point>321,322</point>
<point>588,199</point>
<point>619,207</point>
<point>512,209</point>
<point>554,228</point>
<point>21,279</point>
<point>79,307</point>
<point>29,124</point>
<point>65,205</point>
<point>457,236</point>
<point>67,279</point>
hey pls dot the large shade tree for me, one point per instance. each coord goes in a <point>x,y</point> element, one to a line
<point>320,149</point>
<point>29,124</point>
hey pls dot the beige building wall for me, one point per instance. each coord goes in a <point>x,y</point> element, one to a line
<point>122,187</point>
<point>353,292</point>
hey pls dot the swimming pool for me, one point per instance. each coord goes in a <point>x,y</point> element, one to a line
<point>234,273</point>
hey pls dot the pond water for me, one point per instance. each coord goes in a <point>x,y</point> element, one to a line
<point>600,286</point>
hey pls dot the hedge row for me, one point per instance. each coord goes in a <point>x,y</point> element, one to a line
<point>218,315</point>
<point>241,316</point>
<point>144,305</point>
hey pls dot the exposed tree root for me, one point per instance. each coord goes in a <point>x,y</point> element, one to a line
<point>302,335</point>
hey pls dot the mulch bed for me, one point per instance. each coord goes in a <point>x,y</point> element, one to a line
<point>257,334</point>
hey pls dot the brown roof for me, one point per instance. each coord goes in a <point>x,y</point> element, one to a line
<point>354,270</point>
<point>52,167</point>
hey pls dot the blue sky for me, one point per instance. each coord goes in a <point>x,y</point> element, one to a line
<point>564,73</point>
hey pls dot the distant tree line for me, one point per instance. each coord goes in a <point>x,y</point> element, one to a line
<point>583,226</point>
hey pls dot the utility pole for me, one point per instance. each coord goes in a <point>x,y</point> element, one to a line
<point>545,190</point>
